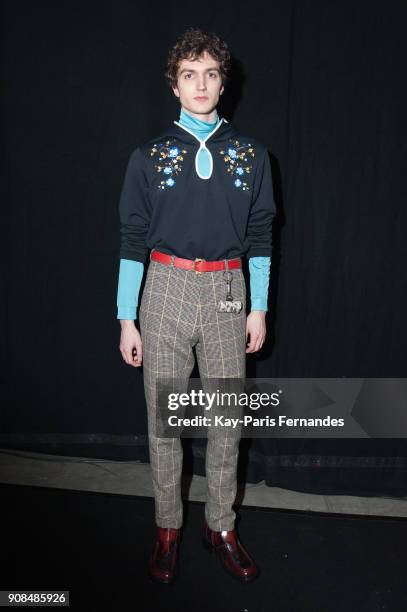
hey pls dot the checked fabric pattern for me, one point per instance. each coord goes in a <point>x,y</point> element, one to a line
<point>177,313</point>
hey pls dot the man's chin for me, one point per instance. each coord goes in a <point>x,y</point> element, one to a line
<point>202,109</point>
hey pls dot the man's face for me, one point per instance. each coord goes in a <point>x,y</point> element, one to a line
<point>199,84</point>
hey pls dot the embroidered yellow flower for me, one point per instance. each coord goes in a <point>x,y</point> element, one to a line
<point>233,157</point>
<point>169,156</point>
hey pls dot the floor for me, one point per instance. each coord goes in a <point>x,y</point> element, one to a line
<point>95,547</point>
<point>133,478</point>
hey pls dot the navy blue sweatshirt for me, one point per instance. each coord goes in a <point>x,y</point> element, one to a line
<point>165,199</point>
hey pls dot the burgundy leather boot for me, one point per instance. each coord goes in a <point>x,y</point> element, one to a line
<point>233,557</point>
<point>163,561</point>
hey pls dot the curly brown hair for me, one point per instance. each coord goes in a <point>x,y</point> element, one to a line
<point>191,45</point>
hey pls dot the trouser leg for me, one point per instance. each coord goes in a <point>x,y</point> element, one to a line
<point>221,353</point>
<point>168,317</point>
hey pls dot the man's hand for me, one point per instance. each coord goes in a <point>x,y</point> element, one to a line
<point>130,342</point>
<point>256,329</point>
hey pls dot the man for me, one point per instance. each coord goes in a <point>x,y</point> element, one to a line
<point>199,197</point>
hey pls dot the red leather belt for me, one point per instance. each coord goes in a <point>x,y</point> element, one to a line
<point>198,265</point>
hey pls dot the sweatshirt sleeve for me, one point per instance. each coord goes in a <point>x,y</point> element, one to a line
<point>130,277</point>
<point>134,210</point>
<point>259,268</point>
<point>262,211</point>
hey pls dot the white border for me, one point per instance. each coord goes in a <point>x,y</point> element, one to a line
<point>203,146</point>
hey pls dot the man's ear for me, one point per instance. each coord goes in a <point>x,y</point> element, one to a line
<point>176,91</point>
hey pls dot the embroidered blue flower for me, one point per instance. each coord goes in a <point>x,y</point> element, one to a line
<point>237,161</point>
<point>169,161</point>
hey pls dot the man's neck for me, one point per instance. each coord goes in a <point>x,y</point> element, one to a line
<point>211,117</point>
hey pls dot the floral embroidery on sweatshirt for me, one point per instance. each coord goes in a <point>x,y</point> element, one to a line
<point>169,158</point>
<point>237,159</point>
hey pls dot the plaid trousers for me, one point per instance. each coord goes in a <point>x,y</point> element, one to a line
<point>177,313</point>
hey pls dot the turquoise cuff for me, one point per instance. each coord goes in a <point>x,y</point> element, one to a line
<point>130,277</point>
<point>259,268</point>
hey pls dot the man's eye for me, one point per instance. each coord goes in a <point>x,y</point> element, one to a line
<point>188,75</point>
<point>213,74</point>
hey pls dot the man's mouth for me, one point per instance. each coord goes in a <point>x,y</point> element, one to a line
<point>201,98</point>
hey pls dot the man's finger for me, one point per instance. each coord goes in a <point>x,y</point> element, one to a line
<point>137,354</point>
<point>125,355</point>
<point>252,344</point>
<point>139,350</point>
<point>258,346</point>
<point>137,359</point>
<point>259,343</point>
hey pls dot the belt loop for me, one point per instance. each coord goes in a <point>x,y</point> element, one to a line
<point>227,264</point>
<point>172,261</point>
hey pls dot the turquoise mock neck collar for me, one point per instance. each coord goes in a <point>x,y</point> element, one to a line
<point>197,126</point>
